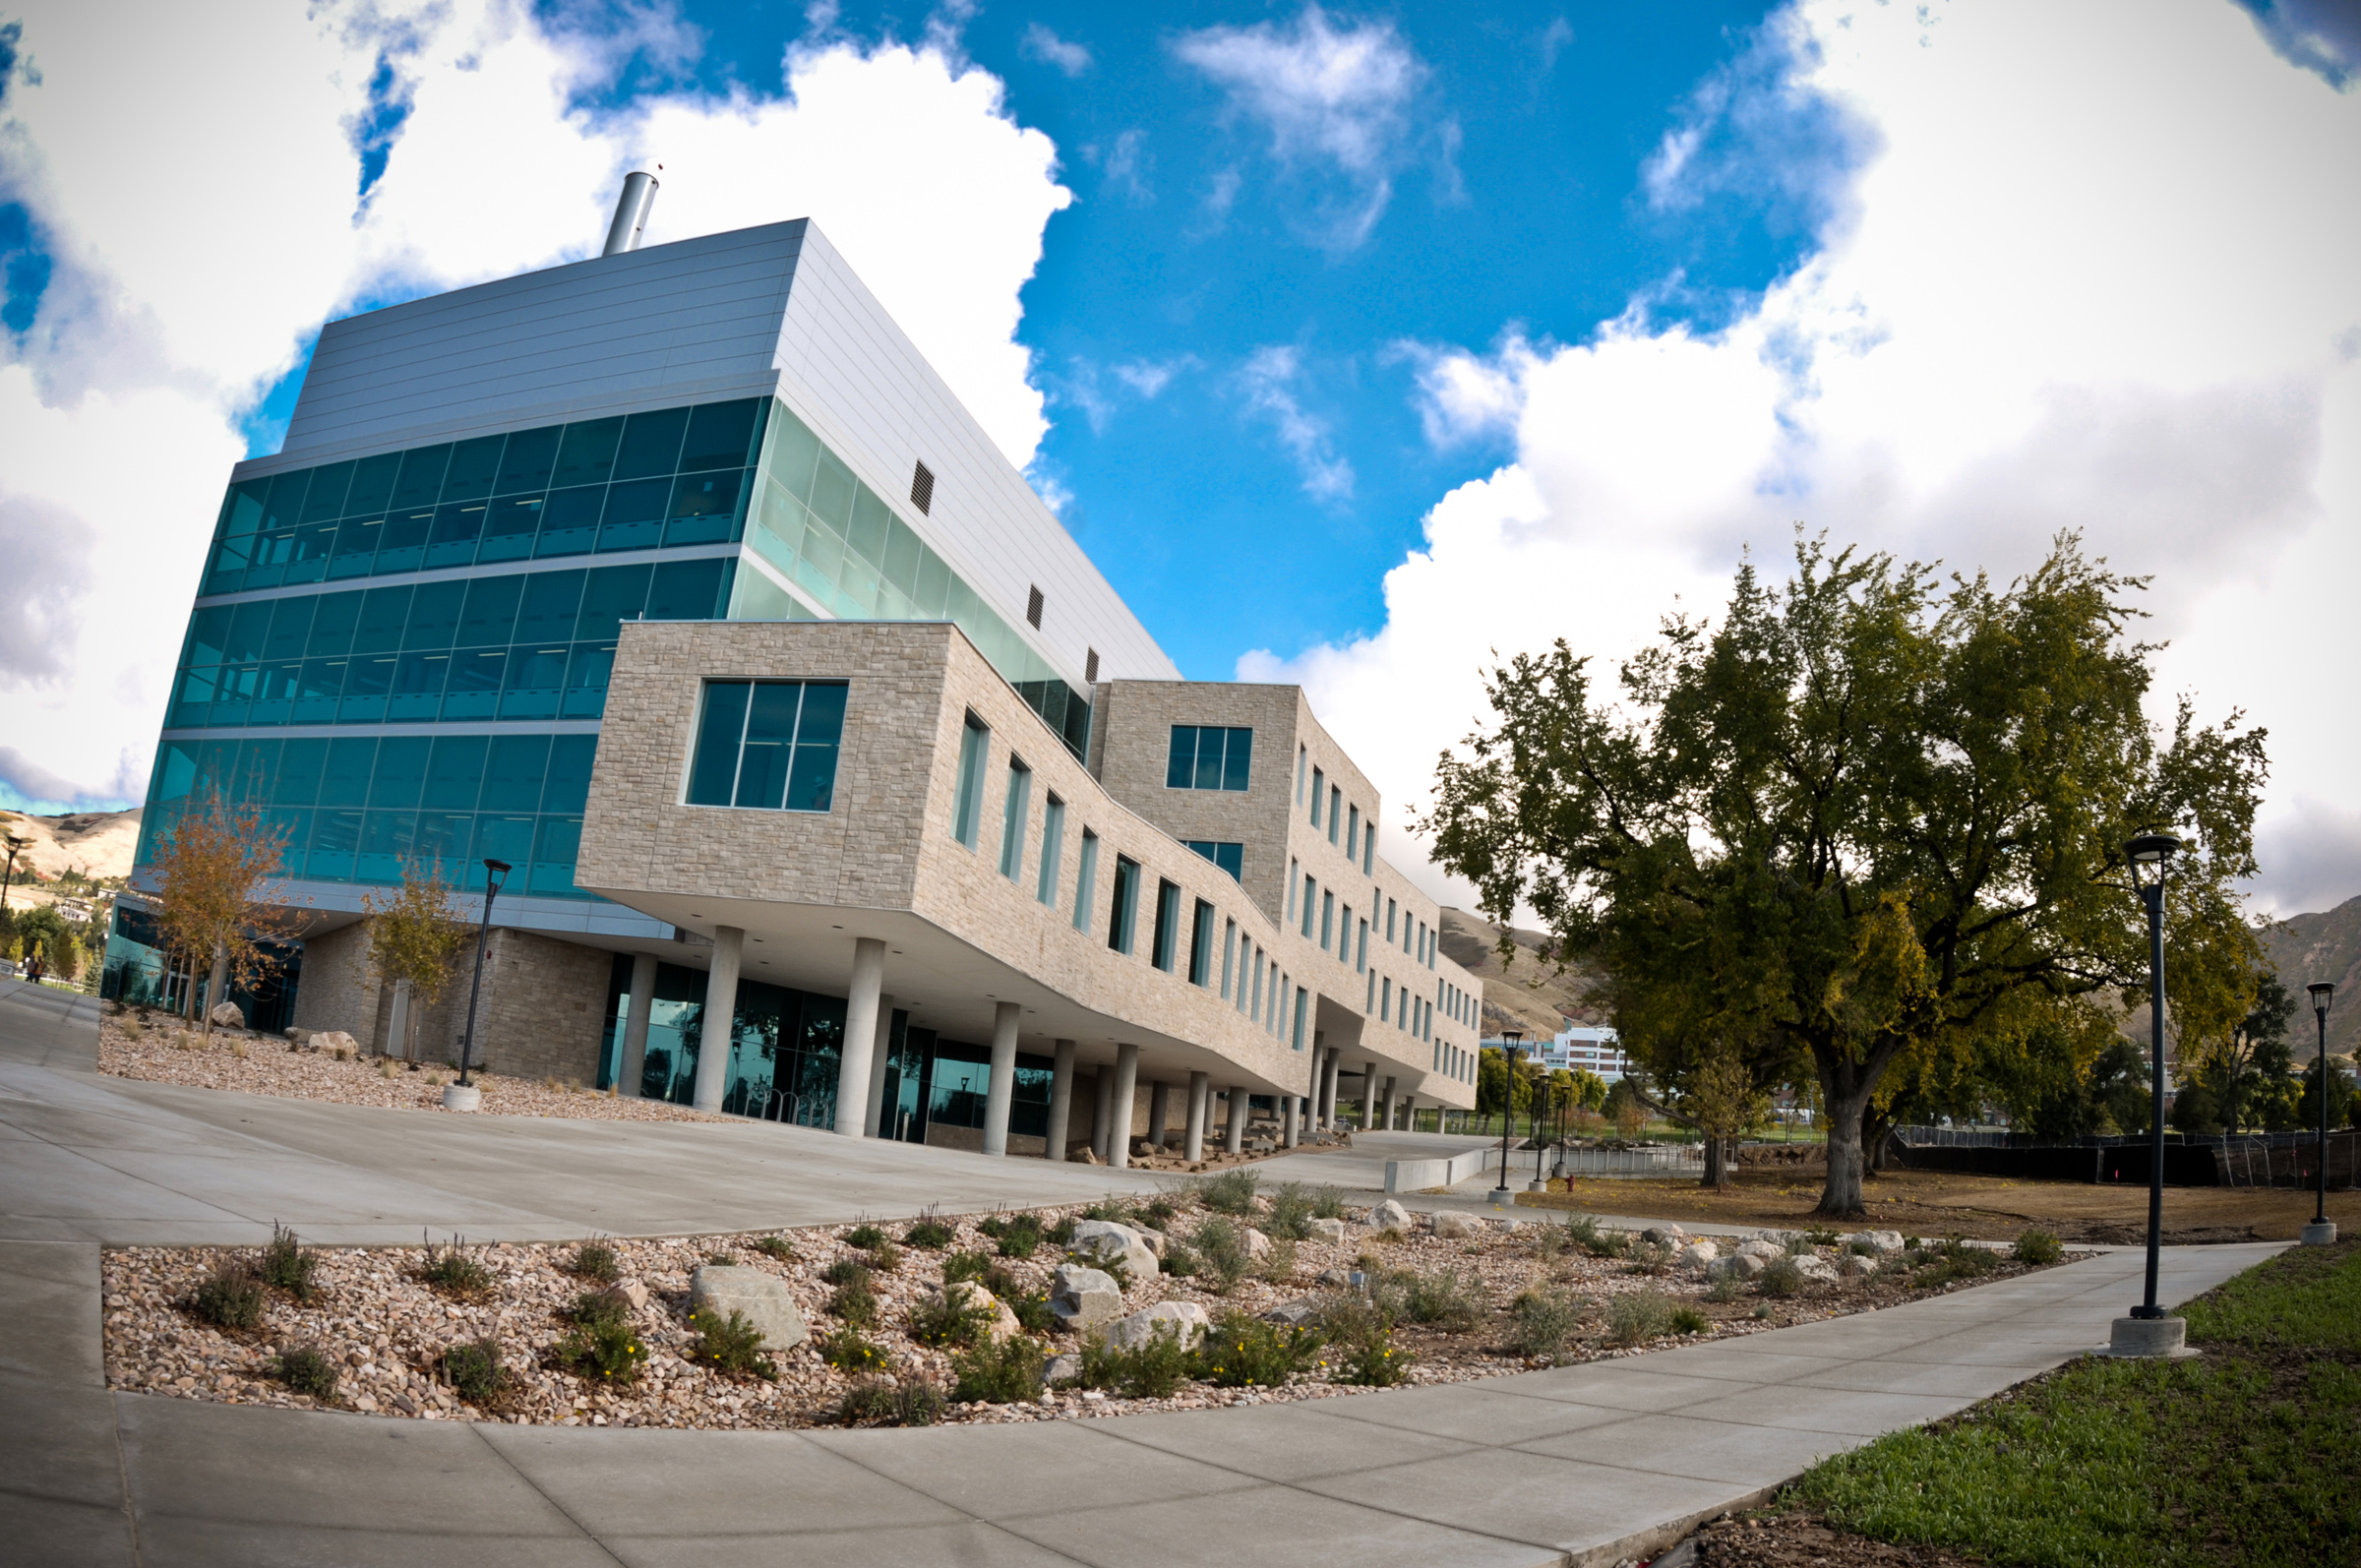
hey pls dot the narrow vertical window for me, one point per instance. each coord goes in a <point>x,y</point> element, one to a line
<point>1336,803</point>
<point>1200,947</point>
<point>1228,950</point>
<point>1390,908</point>
<point>1302,757</point>
<point>1053,849</point>
<point>1369,847</point>
<point>1360,958</point>
<point>1385,1000</point>
<point>1013,821</point>
<point>1290,891</point>
<point>1327,919</point>
<point>975,742</point>
<point>1303,1006</point>
<point>1122,921</point>
<point>1086,879</point>
<point>1352,832</point>
<point>1309,883</point>
<point>1319,787</point>
<point>1167,938</point>
<point>1344,937</point>
<point>1371,1005</point>
<point>1256,1011</point>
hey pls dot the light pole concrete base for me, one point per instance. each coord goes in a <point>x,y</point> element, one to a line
<point>2149,1336</point>
<point>2319,1232</point>
<point>1502,1196</point>
<point>458,1097</point>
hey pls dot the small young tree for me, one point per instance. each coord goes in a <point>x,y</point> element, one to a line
<point>1721,1099</point>
<point>43,931</point>
<point>212,871</point>
<point>415,933</point>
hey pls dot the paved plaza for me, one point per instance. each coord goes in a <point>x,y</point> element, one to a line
<point>1575,1465</point>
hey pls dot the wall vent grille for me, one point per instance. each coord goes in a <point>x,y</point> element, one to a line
<point>922,489</point>
<point>1033,608</point>
<point>1090,669</point>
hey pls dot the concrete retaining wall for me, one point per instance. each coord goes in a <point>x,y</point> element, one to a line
<point>1417,1175</point>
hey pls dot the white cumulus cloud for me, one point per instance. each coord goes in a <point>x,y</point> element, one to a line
<point>1269,380</point>
<point>2080,268</point>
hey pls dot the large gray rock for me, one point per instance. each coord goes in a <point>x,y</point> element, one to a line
<point>1663,1231</point>
<point>1083,1298</point>
<point>1185,1321</point>
<point>1061,1369</point>
<point>1302,1309</point>
<point>1156,1242</point>
<point>723,1289</point>
<point>1755,1247</point>
<point>1333,1231</point>
<point>227,1016</point>
<point>1106,1241</point>
<point>1258,1246</point>
<point>1812,1266</point>
<point>1880,1242</point>
<point>1390,1216</point>
<point>1000,1322</point>
<point>1453,1226</point>
<point>1698,1254</point>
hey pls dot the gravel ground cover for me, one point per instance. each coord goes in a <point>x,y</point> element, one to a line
<point>385,1334</point>
<point>165,1050</point>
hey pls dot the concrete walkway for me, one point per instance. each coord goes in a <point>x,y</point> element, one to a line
<point>1571,1466</point>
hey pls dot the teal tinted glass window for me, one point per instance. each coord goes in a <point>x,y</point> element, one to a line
<point>490,616</point>
<point>506,532</point>
<point>1168,925</point>
<point>833,488</point>
<point>373,481</point>
<point>454,773</point>
<point>332,625</point>
<point>434,615</point>
<point>400,771</point>
<point>567,785</point>
<point>383,614</point>
<point>248,629</point>
<point>570,521</point>
<point>705,507</point>
<point>1230,858</point>
<point>550,599</point>
<point>1122,922</point>
<point>819,735</point>
<point>686,590</point>
<point>281,509</point>
<point>299,767</point>
<point>512,776</point>
<point>208,630</point>
<point>767,744</point>
<point>346,782</point>
<point>611,596</point>
<point>651,444</point>
<point>1209,757</point>
<point>586,456</point>
<point>527,461</point>
<point>242,510</point>
<point>290,626</point>
<point>453,532</point>
<point>474,465</point>
<point>421,481</point>
<point>324,499</point>
<point>1014,811</point>
<point>1200,945</point>
<point>720,731</point>
<point>719,436</point>
<point>635,515</point>
<point>975,742</point>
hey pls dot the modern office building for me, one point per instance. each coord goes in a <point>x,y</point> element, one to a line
<point>826,761</point>
<point>1593,1050</point>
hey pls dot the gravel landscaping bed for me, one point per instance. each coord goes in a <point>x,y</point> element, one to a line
<point>165,1050</point>
<point>367,1331</point>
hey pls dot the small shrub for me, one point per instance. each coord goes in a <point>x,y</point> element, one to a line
<point>1911,1244</point>
<point>1062,1233</point>
<point>937,1320</point>
<point>1724,1288</point>
<point>1799,1246</point>
<point>1328,1203</point>
<point>1762,1309</point>
<point>1221,1248</point>
<point>731,1345</point>
<point>305,1370</point>
<point>1020,1240</point>
<point>1241,1351</point>
<point>885,1257</point>
<point>848,1271</point>
<point>914,1401</point>
<point>608,1350</point>
<point>454,1272</point>
<point>847,1350</point>
<point>1160,1210</point>
<point>1032,1308</point>
<point>474,1370</point>
<point>230,1297</point>
<point>288,1265</point>
<point>1278,1263</point>
<point>961,1266</point>
<point>1229,1192</point>
<point>774,1246</point>
<point>1956,1261</point>
<point>864,1235</point>
<point>1540,1320</point>
<point>722,1260</point>
<point>596,1308</point>
<point>2037,1247</point>
<point>1641,1315</point>
<point>1291,1213</point>
<point>1860,1249</point>
<point>1152,1370</point>
<point>1110,1207</point>
<point>595,1260</point>
<point>1821,1238</point>
<point>1181,1260</point>
<point>1440,1300</point>
<point>1361,1338</point>
<point>997,1372</point>
<point>1779,1278</point>
<point>930,1233</point>
<point>1550,1241</point>
<point>855,1305</point>
<point>1686,1319</point>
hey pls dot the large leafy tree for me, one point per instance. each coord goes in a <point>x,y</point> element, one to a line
<point>1870,818</point>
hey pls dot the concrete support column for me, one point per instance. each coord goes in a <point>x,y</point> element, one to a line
<point>1329,1062</point>
<point>1001,1093</point>
<point>1061,1099</point>
<point>1368,1095</point>
<point>1287,1118</point>
<point>1160,1111</point>
<point>397,1027</point>
<point>1235,1137</point>
<point>1102,1122</point>
<point>1200,1094</point>
<point>633,1069</point>
<point>860,1034</point>
<point>721,1015</point>
<point>1385,1106</point>
<point>1127,1089</point>
<point>879,1058</point>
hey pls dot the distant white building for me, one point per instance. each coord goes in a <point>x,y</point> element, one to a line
<point>1593,1050</point>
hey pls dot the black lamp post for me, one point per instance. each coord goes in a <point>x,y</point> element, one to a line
<point>16,847</point>
<point>2319,1232</point>
<point>2150,855</point>
<point>1510,1038</point>
<point>1541,1145</point>
<point>495,872</point>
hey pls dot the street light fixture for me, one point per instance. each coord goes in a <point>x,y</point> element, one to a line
<point>16,847</point>
<point>2322,1229</point>
<point>1510,1038</point>
<point>2148,1331</point>
<point>496,873</point>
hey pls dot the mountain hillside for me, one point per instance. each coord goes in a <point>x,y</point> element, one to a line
<point>2322,947</point>
<point>99,844</point>
<point>1527,994</point>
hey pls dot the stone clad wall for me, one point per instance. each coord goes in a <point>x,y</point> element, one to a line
<point>338,988</point>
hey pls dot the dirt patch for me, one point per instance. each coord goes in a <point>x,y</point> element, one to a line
<point>1938,1203</point>
<point>1794,1541</point>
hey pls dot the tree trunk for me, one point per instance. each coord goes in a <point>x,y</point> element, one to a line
<point>213,987</point>
<point>1714,1177</point>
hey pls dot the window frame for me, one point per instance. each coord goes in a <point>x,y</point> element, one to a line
<point>1200,945</point>
<point>1086,876</point>
<point>1016,812</point>
<point>967,806</point>
<point>1122,916</point>
<point>1053,849</point>
<point>1164,949</point>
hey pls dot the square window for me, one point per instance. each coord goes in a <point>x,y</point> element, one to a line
<point>767,744</point>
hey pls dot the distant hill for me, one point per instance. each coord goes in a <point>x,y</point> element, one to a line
<point>2323,946</point>
<point>99,844</point>
<point>1529,993</point>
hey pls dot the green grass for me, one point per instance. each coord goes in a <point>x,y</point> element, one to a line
<point>2244,1455</point>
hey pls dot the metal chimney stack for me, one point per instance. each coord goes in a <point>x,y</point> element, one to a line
<point>630,213</point>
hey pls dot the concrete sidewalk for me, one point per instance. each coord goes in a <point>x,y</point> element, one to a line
<point>1577,1465</point>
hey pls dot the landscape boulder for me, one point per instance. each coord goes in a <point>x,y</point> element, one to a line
<point>1390,1216</point>
<point>1853,1266</point>
<point>1336,1278</point>
<point>1746,1265</point>
<point>1664,1233</point>
<point>725,1288</point>
<point>1302,1309</point>
<point>630,1292</point>
<point>1878,1242</point>
<point>1698,1254</point>
<point>1106,1241</point>
<point>1185,1321</point>
<point>1812,1266</point>
<point>1257,1246</point>
<point>1156,1242</point>
<point>227,1016</point>
<point>1062,1368</point>
<point>1000,1322</point>
<point>1453,1226</point>
<point>1754,1246</point>
<point>1328,1231</point>
<point>335,1041</point>
<point>1083,1298</point>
